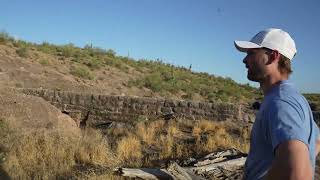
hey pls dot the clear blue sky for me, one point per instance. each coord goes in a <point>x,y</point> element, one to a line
<point>180,32</point>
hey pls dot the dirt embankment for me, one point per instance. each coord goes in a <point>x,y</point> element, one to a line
<point>32,72</point>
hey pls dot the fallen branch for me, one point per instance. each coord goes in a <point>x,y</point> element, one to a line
<point>180,173</point>
<point>225,164</point>
<point>208,161</point>
<point>143,173</point>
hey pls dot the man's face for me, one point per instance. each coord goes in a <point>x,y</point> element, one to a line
<point>256,63</point>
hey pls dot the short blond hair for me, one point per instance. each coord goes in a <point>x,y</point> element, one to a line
<point>284,65</point>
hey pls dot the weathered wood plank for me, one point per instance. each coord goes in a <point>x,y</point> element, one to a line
<point>143,173</point>
<point>226,165</point>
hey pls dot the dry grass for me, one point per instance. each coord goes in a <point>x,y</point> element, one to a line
<point>211,136</point>
<point>55,154</point>
<point>167,141</point>
<point>93,148</point>
<point>146,133</point>
<point>50,154</point>
<point>129,151</point>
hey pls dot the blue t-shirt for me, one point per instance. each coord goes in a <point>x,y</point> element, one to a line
<point>284,115</point>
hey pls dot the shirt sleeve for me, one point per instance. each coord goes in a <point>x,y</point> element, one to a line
<point>286,122</point>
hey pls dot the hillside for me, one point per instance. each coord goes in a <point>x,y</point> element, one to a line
<point>95,70</point>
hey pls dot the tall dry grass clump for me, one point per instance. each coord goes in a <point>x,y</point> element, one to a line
<point>211,136</point>
<point>51,154</point>
<point>129,150</point>
<point>93,148</point>
<point>151,141</point>
<point>166,145</point>
<point>169,142</point>
<point>147,131</point>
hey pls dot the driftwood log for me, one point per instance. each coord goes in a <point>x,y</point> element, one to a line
<point>143,173</point>
<point>212,165</point>
<point>230,164</point>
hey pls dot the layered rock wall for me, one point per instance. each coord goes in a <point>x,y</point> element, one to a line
<point>95,110</point>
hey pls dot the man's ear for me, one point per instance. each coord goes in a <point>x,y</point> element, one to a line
<point>275,56</point>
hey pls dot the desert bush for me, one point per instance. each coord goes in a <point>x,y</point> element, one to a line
<point>94,51</point>
<point>113,62</point>
<point>153,82</point>
<point>68,50</point>
<point>44,62</point>
<point>82,72</point>
<point>21,44</point>
<point>111,53</point>
<point>22,52</point>
<point>48,48</point>
<point>95,63</point>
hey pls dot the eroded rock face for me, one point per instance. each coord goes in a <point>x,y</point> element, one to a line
<point>30,113</point>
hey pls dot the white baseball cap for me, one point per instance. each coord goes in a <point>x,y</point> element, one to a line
<point>275,39</point>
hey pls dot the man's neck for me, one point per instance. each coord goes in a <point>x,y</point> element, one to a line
<point>269,82</point>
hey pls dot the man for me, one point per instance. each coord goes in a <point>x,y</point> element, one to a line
<point>284,138</point>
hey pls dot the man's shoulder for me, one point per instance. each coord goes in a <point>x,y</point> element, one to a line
<point>286,94</point>
<point>286,103</point>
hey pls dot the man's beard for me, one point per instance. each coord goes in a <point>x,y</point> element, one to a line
<point>254,76</point>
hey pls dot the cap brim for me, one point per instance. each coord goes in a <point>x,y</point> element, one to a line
<point>243,46</point>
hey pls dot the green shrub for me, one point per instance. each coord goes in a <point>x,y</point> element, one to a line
<point>21,44</point>
<point>154,82</point>
<point>44,62</point>
<point>111,53</point>
<point>22,52</point>
<point>68,50</point>
<point>82,72</point>
<point>47,48</point>
<point>95,63</point>
<point>117,63</point>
